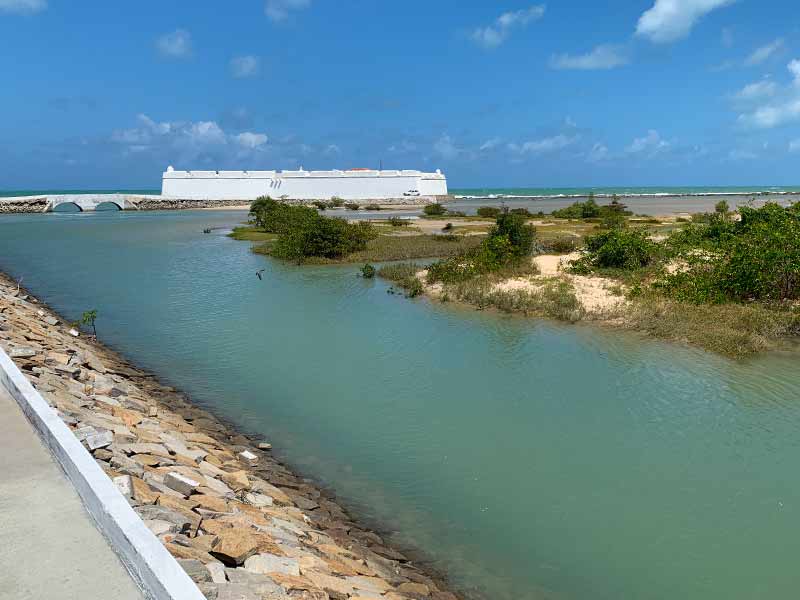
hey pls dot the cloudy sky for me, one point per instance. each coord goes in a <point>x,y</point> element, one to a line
<point>501,93</point>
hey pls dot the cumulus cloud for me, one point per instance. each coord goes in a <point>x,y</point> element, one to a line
<point>244,66</point>
<point>185,139</point>
<point>784,108</point>
<point>177,44</point>
<point>544,145</point>
<point>498,32</point>
<point>761,54</point>
<point>22,7</point>
<point>251,140</point>
<point>757,91</point>
<point>598,153</point>
<point>280,10</point>
<point>490,144</point>
<point>671,20</point>
<point>650,144</point>
<point>604,56</point>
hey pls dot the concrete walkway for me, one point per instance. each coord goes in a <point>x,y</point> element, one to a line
<point>49,547</point>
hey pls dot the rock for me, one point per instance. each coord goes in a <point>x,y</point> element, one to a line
<point>237,480</point>
<point>74,332</point>
<point>249,457</point>
<point>129,417</point>
<point>235,591</point>
<point>142,492</point>
<point>195,569</point>
<point>266,563</point>
<point>22,352</point>
<point>327,582</point>
<point>219,488</point>
<point>161,513</point>
<point>235,545</point>
<point>264,446</point>
<point>217,572</point>
<point>262,585</point>
<point>103,454</point>
<point>101,439</point>
<point>210,502</point>
<point>159,527</point>
<point>83,432</point>
<point>375,585</point>
<point>125,465</point>
<point>259,500</point>
<point>51,321</point>
<point>209,590</point>
<point>180,483</point>
<point>420,589</point>
<point>124,485</point>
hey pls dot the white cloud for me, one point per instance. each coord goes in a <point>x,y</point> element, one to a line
<point>757,91</point>
<point>598,153</point>
<point>490,144</point>
<point>742,155</point>
<point>784,109</point>
<point>279,10</point>
<point>495,34</point>
<point>177,44</point>
<point>794,146</point>
<point>22,7</point>
<point>670,20</point>
<point>332,150</point>
<point>650,144</point>
<point>604,56</point>
<point>251,140</point>
<point>544,145</point>
<point>187,140</point>
<point>445,147</point>
<point>761,54</point>
<point>244,66</point>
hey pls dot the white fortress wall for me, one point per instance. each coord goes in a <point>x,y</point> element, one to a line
<point>301,185</point>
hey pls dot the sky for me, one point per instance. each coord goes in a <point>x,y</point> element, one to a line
<point>496,93</point>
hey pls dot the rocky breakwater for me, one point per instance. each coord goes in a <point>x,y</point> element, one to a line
<point>28,204</point>
<point>156,203</point>
<point>241,524</point>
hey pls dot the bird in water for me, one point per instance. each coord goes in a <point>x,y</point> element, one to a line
<point>258,273</point>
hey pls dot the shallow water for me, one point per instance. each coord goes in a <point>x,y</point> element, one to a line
<point>529,460</point>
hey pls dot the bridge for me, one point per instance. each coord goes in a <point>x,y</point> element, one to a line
<point>91,202</point>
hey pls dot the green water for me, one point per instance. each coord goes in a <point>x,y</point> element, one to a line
<point>529,460</point>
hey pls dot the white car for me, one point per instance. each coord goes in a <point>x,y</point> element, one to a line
<point>411,193</point>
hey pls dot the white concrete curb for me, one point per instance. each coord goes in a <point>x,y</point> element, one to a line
<point>152,567</point>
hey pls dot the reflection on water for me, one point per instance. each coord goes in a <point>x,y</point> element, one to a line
<point>528,459</point>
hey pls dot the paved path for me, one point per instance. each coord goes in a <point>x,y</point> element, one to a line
<point>49,547</point>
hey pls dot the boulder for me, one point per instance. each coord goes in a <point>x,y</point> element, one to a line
<point>235,545</point>
<point>124,485</point>
<point>266,563</point>
<point>195,569</point>
<point>101,439</point>
<point>22,352</point>
<point>217,572</point>
<point>161,513</point>
<point>237,480</point>
<point>248,457</point>
<point>180,483</point>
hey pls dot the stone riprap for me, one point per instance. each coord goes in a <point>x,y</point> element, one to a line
<point>239,522</point>
<point>89,202</point>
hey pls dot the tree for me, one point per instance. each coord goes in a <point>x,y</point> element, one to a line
<point>434,210</point>
<point>88,318</point>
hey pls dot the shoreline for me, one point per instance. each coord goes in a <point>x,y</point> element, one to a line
<point>306,544</point>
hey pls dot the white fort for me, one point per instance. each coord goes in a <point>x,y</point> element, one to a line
<point>354,184</point>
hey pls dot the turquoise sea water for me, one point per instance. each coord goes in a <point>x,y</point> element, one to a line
<point>529,460</point>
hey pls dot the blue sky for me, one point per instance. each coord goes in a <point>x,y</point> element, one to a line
<point>504,93</point>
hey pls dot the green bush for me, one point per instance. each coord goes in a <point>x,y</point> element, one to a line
<point>399,222</point>
<point>278,217</point>
<point>508,242</point>
<point>322,237</point>
<point>562,245</point>
<point>336,202</point>
<point>619,249</point>
<point>579,210</point>
<point>434,210</point>
<point>489,212</point>
<point>368,271</point>
<point>372,207</point>
<point>351,206</point>
<point>754,259</point>
<point>521,211</point>
<point>320,205</point>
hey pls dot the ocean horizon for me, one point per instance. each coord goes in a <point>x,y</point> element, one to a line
<point>504,192</point>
